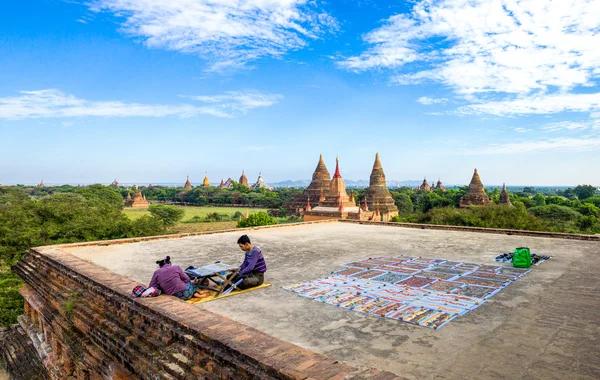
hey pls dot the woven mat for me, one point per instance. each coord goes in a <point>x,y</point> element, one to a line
<point>234,293</point>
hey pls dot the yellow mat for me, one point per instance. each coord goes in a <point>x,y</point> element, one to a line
<point>233,293</point>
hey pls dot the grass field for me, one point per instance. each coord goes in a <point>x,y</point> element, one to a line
<point>192,211</point>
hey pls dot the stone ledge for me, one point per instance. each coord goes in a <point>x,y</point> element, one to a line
<point>544,234</point>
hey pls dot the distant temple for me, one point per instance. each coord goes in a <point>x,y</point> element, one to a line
<point>424,186</point>
<point>228,184</point>
<point>188,184</point>
<point>439,185</point>
<point>222,185</point>
<point>260,184</point>
<point>504,196</point>
<point>41,184</point>
<point>476,195</point>
<point>378,196</point>
<point>206,182</point>
<point>244,180</point>
<point>313,193</point>
<point>138,200</point>
<point>336,203</point>
<point>115,183</point>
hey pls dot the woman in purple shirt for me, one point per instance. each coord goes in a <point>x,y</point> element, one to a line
<point>172,280</point>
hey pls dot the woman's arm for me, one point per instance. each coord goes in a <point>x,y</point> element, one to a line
<point>184,277</point>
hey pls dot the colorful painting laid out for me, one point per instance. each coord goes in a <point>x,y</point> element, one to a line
<point>422,291</point>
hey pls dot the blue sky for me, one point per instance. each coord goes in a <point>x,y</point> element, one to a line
<point>149,91</point>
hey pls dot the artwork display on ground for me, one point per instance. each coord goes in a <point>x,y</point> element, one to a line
<point>422,291</point>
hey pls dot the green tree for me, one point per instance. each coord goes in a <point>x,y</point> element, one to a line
<point>539,200</point>
<point>170,215</point>
<point>404,203</point>
<point>584,191</point>
<point>258,219</point>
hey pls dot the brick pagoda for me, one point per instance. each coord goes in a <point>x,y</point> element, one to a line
<point>319,186</point>
<point>424,186</point>
<point>335,204</point>
<point>138,200</point>
<point>504,196</point>
<point>206,182</point>
<point>476,195</point>
<point>188,184</point>
<point>378,195</point>
<point>244,180</point>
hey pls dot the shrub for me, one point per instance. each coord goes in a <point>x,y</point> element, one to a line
<point>216,217</point>
<point>237,215</point>
<point>195,219</point>
<point>258,219</point>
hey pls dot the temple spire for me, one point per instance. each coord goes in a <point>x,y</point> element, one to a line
<point>337,169</point>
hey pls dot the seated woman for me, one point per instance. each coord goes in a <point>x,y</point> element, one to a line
<point>172,280</point>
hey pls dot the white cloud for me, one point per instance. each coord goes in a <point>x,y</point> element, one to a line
<point>555,145</point>
<point>477,46</point>
<point>429,101</point>
<point>522,130</point>
<point>229,33</point>
<point>52,103</point>
<point>67,123</point>
<point>576,126</point>
<point>537,104</point>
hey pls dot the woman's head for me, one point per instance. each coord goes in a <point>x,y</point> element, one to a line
<point>163,262</point>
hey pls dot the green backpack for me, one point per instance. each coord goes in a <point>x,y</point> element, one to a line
<point>522,258</point>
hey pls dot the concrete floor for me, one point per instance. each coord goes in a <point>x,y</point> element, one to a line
<point>546,325</point>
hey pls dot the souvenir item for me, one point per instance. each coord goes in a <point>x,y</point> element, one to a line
<point>399,269</point>
<point>382,311</point>
<point>349,271</point>
<point>359,301</point>
<point>476,291</point>
<point>444,286</point>
<point>376,303</point>
<point>368,274</point>
<point>417,282</point>
<point>437,275</point>
<point>391,277</point>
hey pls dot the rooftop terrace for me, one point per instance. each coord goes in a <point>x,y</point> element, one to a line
<point>545,325</point>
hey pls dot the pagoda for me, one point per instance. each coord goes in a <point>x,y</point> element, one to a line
<point>228,184</point>
<point>504,196</point>
<point>312,194</point>
<point>139,200</point>
<point>115,183</point>
<point>424,186</point>
<point>378,196</point>
<point>335,203</point>
<point>244,180</point>
<point>439,185</point>
<point>188,184</point>
<point>222,185</point>
<point>476,195</point>
<point>41,184</point>
<point>206,182</point>
<point>260,184</point>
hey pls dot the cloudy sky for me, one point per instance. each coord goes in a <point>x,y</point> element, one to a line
<point>153,90</point>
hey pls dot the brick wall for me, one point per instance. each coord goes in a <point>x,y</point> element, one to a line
<point>88,327</point>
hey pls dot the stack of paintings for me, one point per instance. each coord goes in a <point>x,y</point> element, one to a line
<point>422,291</point>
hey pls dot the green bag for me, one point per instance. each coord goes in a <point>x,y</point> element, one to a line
<point>522,258</point>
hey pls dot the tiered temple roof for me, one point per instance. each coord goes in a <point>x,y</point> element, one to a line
<point>476,195</point>
<point>228,184</point>
<point>378,197</point>
<point>206,182</point>
<point>188,184</point>
<point>41,183</point>
<point>260,183</point>
<point>115,183</point>
<point>504,196</point>
<point>335,203</point>
<point>317,189</point>
<point>439,185</point>
<point>424,186</point>
<point>222,185</point>
<point>244,180</point>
